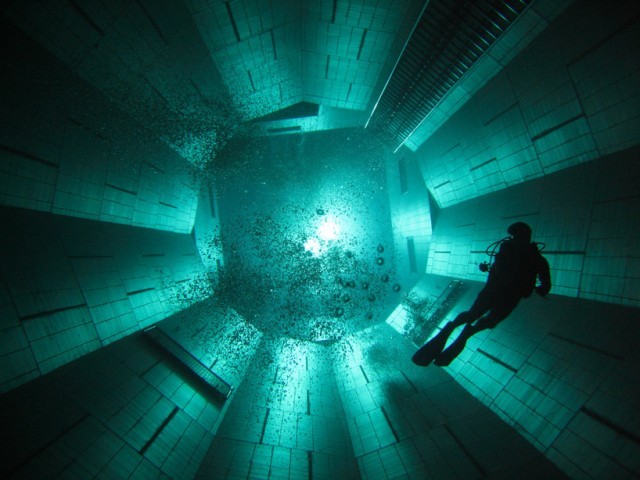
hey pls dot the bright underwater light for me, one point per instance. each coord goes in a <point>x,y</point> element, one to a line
<point>329,230</point>
<point>312,245</point>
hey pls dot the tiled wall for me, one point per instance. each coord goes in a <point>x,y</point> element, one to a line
<point>570,97</point>
<point>563,372</point>
<point>359,408</point>
<point>125,411</point>
<point>206,229</point>
<point>275,54</point>
<point>217,336</point>
<point>586,215</point>
<point>411,215</point>
<point>527,26</point>
<point>70,286</point>
<point>146,57</point>
<point>408,422</point>
<point>66,149</point>
<point>285,421</point>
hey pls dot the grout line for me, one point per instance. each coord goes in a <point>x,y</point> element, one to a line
<point>608,423</point>
<point>142,290</point>
<point>629,23</point>
<point>363,373</point>
<point>450,149</point>
<point>47,445</point>
<point>158,431</point>
<point>482,471</point>
<point>157,92</point>
<point>499,114</point>
<point>604,421</point>
<point>273,45</point>
<point>565,252</point>
<point>480,165</point>
<point>148,370</point>
<point>199,92</point>
<point>86,128</point>
<point>28,156</point>
<point>253,86</point>
<point>409,381</point>
<point>588,347</point>
<point>86,17</point>
<point>393,430</point>
<point>520,215</point>
<point>617,199</point>
<point>158,169</point>
<point>264,425</point>
<point>497,360</point>
<point>550,130</point>
<point>152,22</point>
<point>131,192</point>
<point>361,47</point>
<point>83,293</point>
<point>52,311</point>
<point>233,21</point>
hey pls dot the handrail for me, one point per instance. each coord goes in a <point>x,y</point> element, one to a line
<point>187,359</point>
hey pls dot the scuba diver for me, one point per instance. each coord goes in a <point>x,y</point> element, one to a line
<point>513,275</point>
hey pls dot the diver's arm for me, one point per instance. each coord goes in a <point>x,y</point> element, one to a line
<point>544,276</point>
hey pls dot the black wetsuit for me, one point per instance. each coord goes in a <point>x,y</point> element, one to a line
<point>511,278</point>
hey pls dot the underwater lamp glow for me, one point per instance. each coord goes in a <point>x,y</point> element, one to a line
<point>325,233</point>
<point>329,230</point>
<point>312,245</point>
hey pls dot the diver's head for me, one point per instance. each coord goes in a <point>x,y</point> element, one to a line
<point>520,231</point>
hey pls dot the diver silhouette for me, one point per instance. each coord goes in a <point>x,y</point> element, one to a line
<point>513,276</point>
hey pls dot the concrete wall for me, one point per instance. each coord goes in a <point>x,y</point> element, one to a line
<point>570,97</point>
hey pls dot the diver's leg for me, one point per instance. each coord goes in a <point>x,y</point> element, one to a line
<point>425,355</point>
<point>495,316</point>
<point>480,306</point>
<point>464,317</point>
<point>453,350</point>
